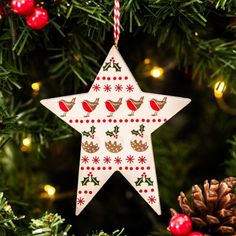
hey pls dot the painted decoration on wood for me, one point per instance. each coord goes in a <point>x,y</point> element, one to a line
<point>116,120</point>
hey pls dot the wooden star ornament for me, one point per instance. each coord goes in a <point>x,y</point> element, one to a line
<point>116,120</point>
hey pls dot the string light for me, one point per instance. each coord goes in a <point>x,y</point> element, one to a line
<point>26,144</point>
<point>219,89</point>
<point>147,61</point>
<point>50,190</point>
<point>156,72</point>
<point>36,86</point>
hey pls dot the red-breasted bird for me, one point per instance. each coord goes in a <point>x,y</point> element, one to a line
<point>66,105</point>
<point>90,106</point>
<point>134,105</point>
<point>112,106</point>
<point>157,105</point>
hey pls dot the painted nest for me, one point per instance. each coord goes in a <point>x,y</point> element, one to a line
<point>90,147</point>
<point>139,146</point>
<point>113,146</point>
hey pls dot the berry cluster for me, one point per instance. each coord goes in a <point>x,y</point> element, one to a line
<point>181,225</point>
<point>36,17</point>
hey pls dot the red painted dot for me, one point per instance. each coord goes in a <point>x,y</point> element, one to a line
<point>126,77</point>
<point>99,168</point>
<point>137,168</point>
<point>82,168</point>
<point>88,168</point>
<point>143,120</point>
<point>148,120</point>
<point>80,192</point>
<point>131,168</point>
<point>159,120</point>
<point>132,120</point>
<point>109,167</point>
<point>92,168</point>
<point>70,121</point>
<point>153,120</point>
<point>148,168</point>
<point>114,78</point>
<point>85,191</point>
<point>87,121</point>
<point>152,190</point>
<point>114,120</point>
<point>126,168</point>
<point>137,120</point>
<point>145,190</point>
<point>110,120</point>
<point>142,168</point>
<point>126,120</point>
<point>104,120</point>
<point>103,167</point>
<point>92,121</point>
<point>120,168</point>
<point>108,78</point>
<point>98,78</point>
<point>98,120</point>
<point>103,77</point>
<point>120,120</point>
<point>81,121</point>
<point>140,190</point>
<point>76,121</point>
<point>165,120</point>
<point>90,192</point>
<point>120,78</point>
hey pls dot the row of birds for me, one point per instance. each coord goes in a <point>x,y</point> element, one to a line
<point>112,106</point>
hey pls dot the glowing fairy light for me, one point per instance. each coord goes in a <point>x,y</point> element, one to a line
<point>156,72</point>
<point>219,89</point>
<point>36,86</point>
<point>26,144</point>
<point>147,61</point>
<point>50,190</point>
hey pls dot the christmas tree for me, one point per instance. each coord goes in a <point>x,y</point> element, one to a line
<point>55,48</point>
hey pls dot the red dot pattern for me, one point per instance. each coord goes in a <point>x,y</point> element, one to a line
<point>112,78</point>
<point>115,120</point>
<point>110,168</point>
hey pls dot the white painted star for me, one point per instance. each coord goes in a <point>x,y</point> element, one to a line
<point>116,120</point>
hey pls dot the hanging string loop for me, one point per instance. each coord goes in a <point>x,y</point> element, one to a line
<point>116,22</point>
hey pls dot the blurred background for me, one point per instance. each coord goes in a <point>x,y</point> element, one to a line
<point>173,54</point>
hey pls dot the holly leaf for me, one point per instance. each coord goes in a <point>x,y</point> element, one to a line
<point>117,67</point>
<point>149,181</point>
<point>95,181</point>
<point>135,132</point>
<point>141,128</point>
<point>85,181</point>
<point>92,129</point>
<point>109,133</point>
<point>139,181</point>
<point>116,129</point>
<point>106,66</point>
<point>85,133</point>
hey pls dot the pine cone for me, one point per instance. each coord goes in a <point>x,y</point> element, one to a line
<point>212,210</point>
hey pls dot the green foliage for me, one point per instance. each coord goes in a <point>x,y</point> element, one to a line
<point>7,217</point>
<point>48,225</point>
<point>231,163</point>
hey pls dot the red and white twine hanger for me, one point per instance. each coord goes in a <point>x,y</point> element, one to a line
<point>116,22</point>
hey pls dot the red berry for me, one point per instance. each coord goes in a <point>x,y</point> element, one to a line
<point>195,234</point>
<point>180,225</point>
<point>38,19</point>
<point>22,7</point>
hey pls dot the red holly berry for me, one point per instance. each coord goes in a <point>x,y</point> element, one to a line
<point>180,225</point>
<point>22,7</point>
<point>38,19</point>
<point>195,234</point>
